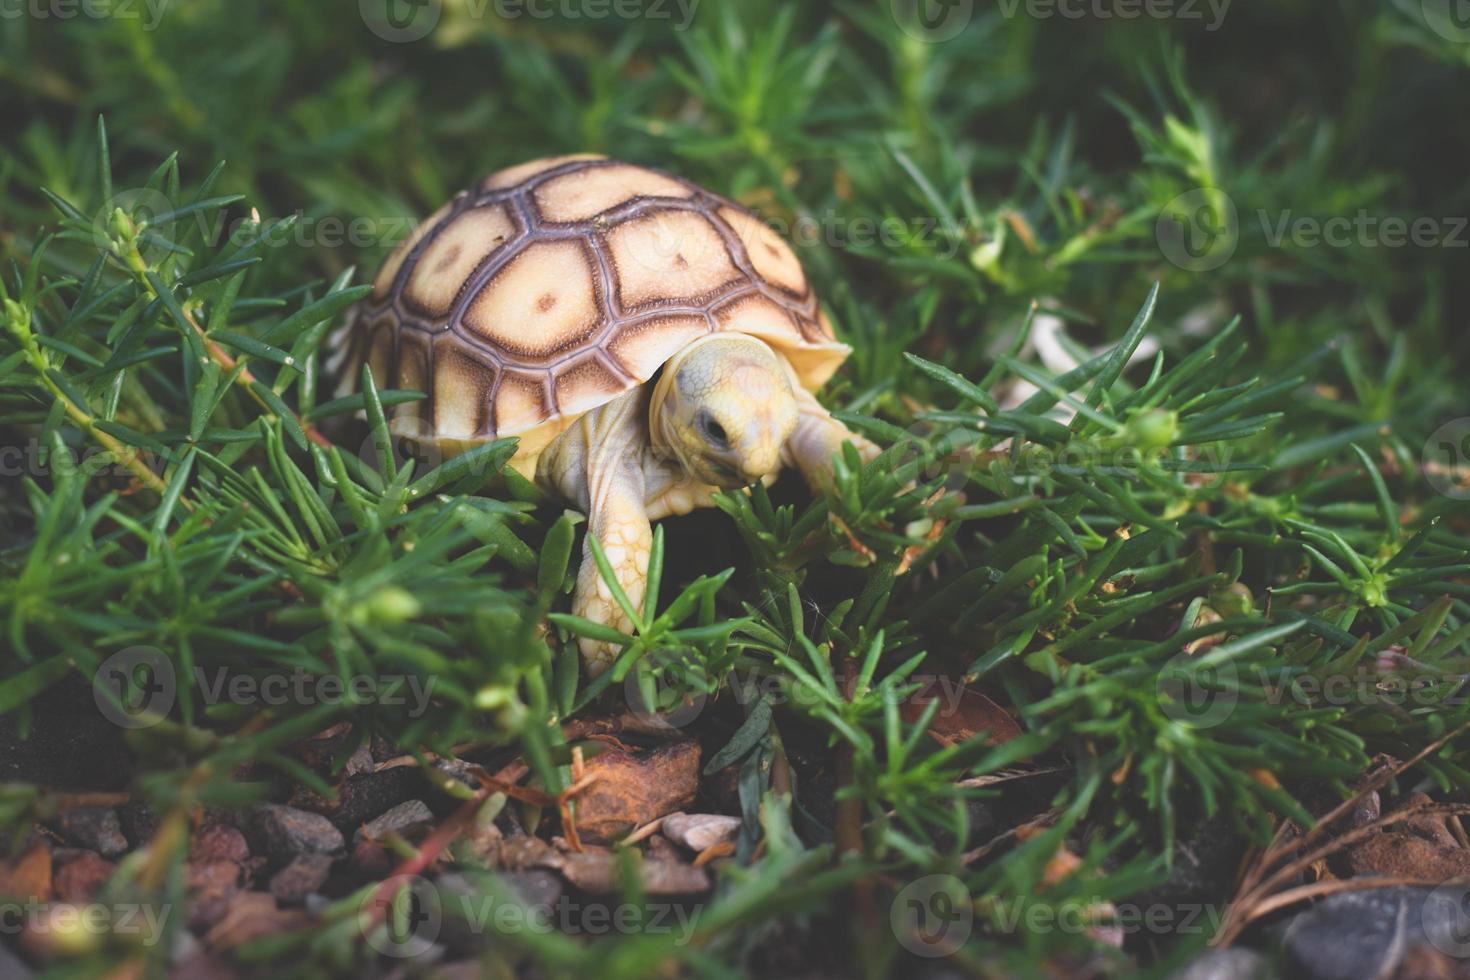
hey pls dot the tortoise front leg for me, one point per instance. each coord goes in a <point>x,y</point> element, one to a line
<point>598,463</point>
<point>817,438</point>
<point>618,519</point>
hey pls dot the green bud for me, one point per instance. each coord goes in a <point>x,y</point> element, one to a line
<point>1153,429</point>
<point>122,225</point>
<point>1234,599</point>
<point>390,605</point>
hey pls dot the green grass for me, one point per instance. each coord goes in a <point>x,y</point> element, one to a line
<point>1260,460</point>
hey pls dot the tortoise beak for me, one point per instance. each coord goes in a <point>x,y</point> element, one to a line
<point>729,477</point>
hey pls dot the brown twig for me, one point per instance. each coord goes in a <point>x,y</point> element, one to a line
<point>1255,890</point>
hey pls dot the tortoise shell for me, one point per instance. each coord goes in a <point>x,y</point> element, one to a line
<point>555,286</point>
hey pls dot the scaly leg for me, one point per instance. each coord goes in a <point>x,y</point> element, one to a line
<point>599,464</point>
<point>819,437</point>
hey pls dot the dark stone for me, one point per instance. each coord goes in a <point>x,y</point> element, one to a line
<point>305,874</point>
<point>403,820</point>
<point>139,823</point>
<point>282,832</point>
<point>458,769</point>
<point>1204,867</point>
<point>1370,933</point>
<point>96,828</point>
<point>360,798</point>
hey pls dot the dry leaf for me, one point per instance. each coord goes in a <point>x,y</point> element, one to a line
<point>963,713</point>
<point>28,875</point>
<point>252,915</point>
<point>628,791</point>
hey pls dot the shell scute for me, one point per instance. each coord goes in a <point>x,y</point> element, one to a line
<point>565,282</point>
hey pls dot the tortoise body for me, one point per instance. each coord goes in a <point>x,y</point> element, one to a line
<point>555,286</point>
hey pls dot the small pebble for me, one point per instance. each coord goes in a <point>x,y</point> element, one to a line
<point>219,842</point>
<point>305,874</point>
<point>402,819</point>
<point>699,831</point>
<point>286,832</point>
<point>96,828</point>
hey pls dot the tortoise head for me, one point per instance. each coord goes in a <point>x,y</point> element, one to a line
<point>724,406</point>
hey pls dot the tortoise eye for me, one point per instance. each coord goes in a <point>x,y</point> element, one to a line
<point>714,433</point>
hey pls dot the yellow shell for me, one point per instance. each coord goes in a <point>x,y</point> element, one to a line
<point>557,285</point>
